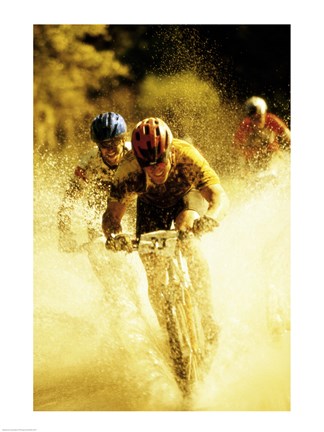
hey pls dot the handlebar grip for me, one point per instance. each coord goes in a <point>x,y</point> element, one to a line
<point>204,224</point>
<point>120,242</point>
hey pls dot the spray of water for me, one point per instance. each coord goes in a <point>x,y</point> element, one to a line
<point>97,342</point>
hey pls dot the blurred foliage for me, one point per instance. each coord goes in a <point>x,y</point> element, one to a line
<point>182,99</point>
<point>72,82</point>
<point>193,109</point>
<point>194,77</point>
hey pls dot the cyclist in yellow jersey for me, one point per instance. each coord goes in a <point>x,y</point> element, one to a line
<point>174,184</point>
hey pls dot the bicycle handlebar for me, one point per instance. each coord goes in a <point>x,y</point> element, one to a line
<point>204,225</point>
<point>158,239</point>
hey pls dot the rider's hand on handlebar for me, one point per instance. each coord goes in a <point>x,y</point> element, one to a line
<point>119,242</point>
<point>204,224</point>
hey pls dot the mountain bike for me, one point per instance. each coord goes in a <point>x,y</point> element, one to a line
<point>181,313</point>
<point>187,341</point>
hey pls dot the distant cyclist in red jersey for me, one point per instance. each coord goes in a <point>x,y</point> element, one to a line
<point>261,135</point>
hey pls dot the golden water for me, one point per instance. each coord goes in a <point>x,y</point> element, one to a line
<point>97,345</point>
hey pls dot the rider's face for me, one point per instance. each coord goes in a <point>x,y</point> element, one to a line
<point>258,120</point>
<point>159,172</point>
<point>111,151</point>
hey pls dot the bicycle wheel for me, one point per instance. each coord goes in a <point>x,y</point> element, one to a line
<point>186,340</point>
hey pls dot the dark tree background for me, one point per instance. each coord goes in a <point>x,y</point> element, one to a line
<point>191,75</point>
<point>242,59</point>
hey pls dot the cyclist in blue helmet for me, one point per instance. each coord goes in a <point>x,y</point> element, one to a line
<point>109,130</point>
<point>92,177</point>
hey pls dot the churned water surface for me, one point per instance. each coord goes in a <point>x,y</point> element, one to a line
<point>97,344</point>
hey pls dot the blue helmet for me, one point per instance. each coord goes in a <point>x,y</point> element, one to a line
<point>106,126</point>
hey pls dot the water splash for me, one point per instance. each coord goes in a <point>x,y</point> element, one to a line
<point>97,344</point>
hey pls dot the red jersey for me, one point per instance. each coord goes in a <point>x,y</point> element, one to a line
<point>258,144</point>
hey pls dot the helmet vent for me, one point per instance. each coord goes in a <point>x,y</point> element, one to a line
<point>151,141</point>
<point>107,126</point>
<point>114,131</point>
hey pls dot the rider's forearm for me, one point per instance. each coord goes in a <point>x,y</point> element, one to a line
<point>218,201</point>
<point>218,209</point>
<point>64,214</point>
<point>64,222</point>
<point>64,219</point>
<point>111,219</point>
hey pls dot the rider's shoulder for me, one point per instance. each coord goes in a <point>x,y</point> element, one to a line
<point>181,143</point>
<point>90,158</point>
<point>182,146</point>
<point>270,117</point>
<point>274,122</point>
<point>128,158</point>
<point>128,146</point>
<point>187,150</point>
<point>128,167</point>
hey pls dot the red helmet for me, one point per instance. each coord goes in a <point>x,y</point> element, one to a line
<point>151,141</point>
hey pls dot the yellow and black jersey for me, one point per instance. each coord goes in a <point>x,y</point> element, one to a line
<point>189,170</point>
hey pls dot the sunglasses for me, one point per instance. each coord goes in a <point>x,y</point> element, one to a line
<point>111,144</point>
<point>160,165</point>
<point>161,160</point>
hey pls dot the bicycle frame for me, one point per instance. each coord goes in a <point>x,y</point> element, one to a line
<point>182,317</point>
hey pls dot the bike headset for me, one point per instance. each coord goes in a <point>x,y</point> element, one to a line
<point>151,141</point>
<point>255,105</point>
<point>107,126</point>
